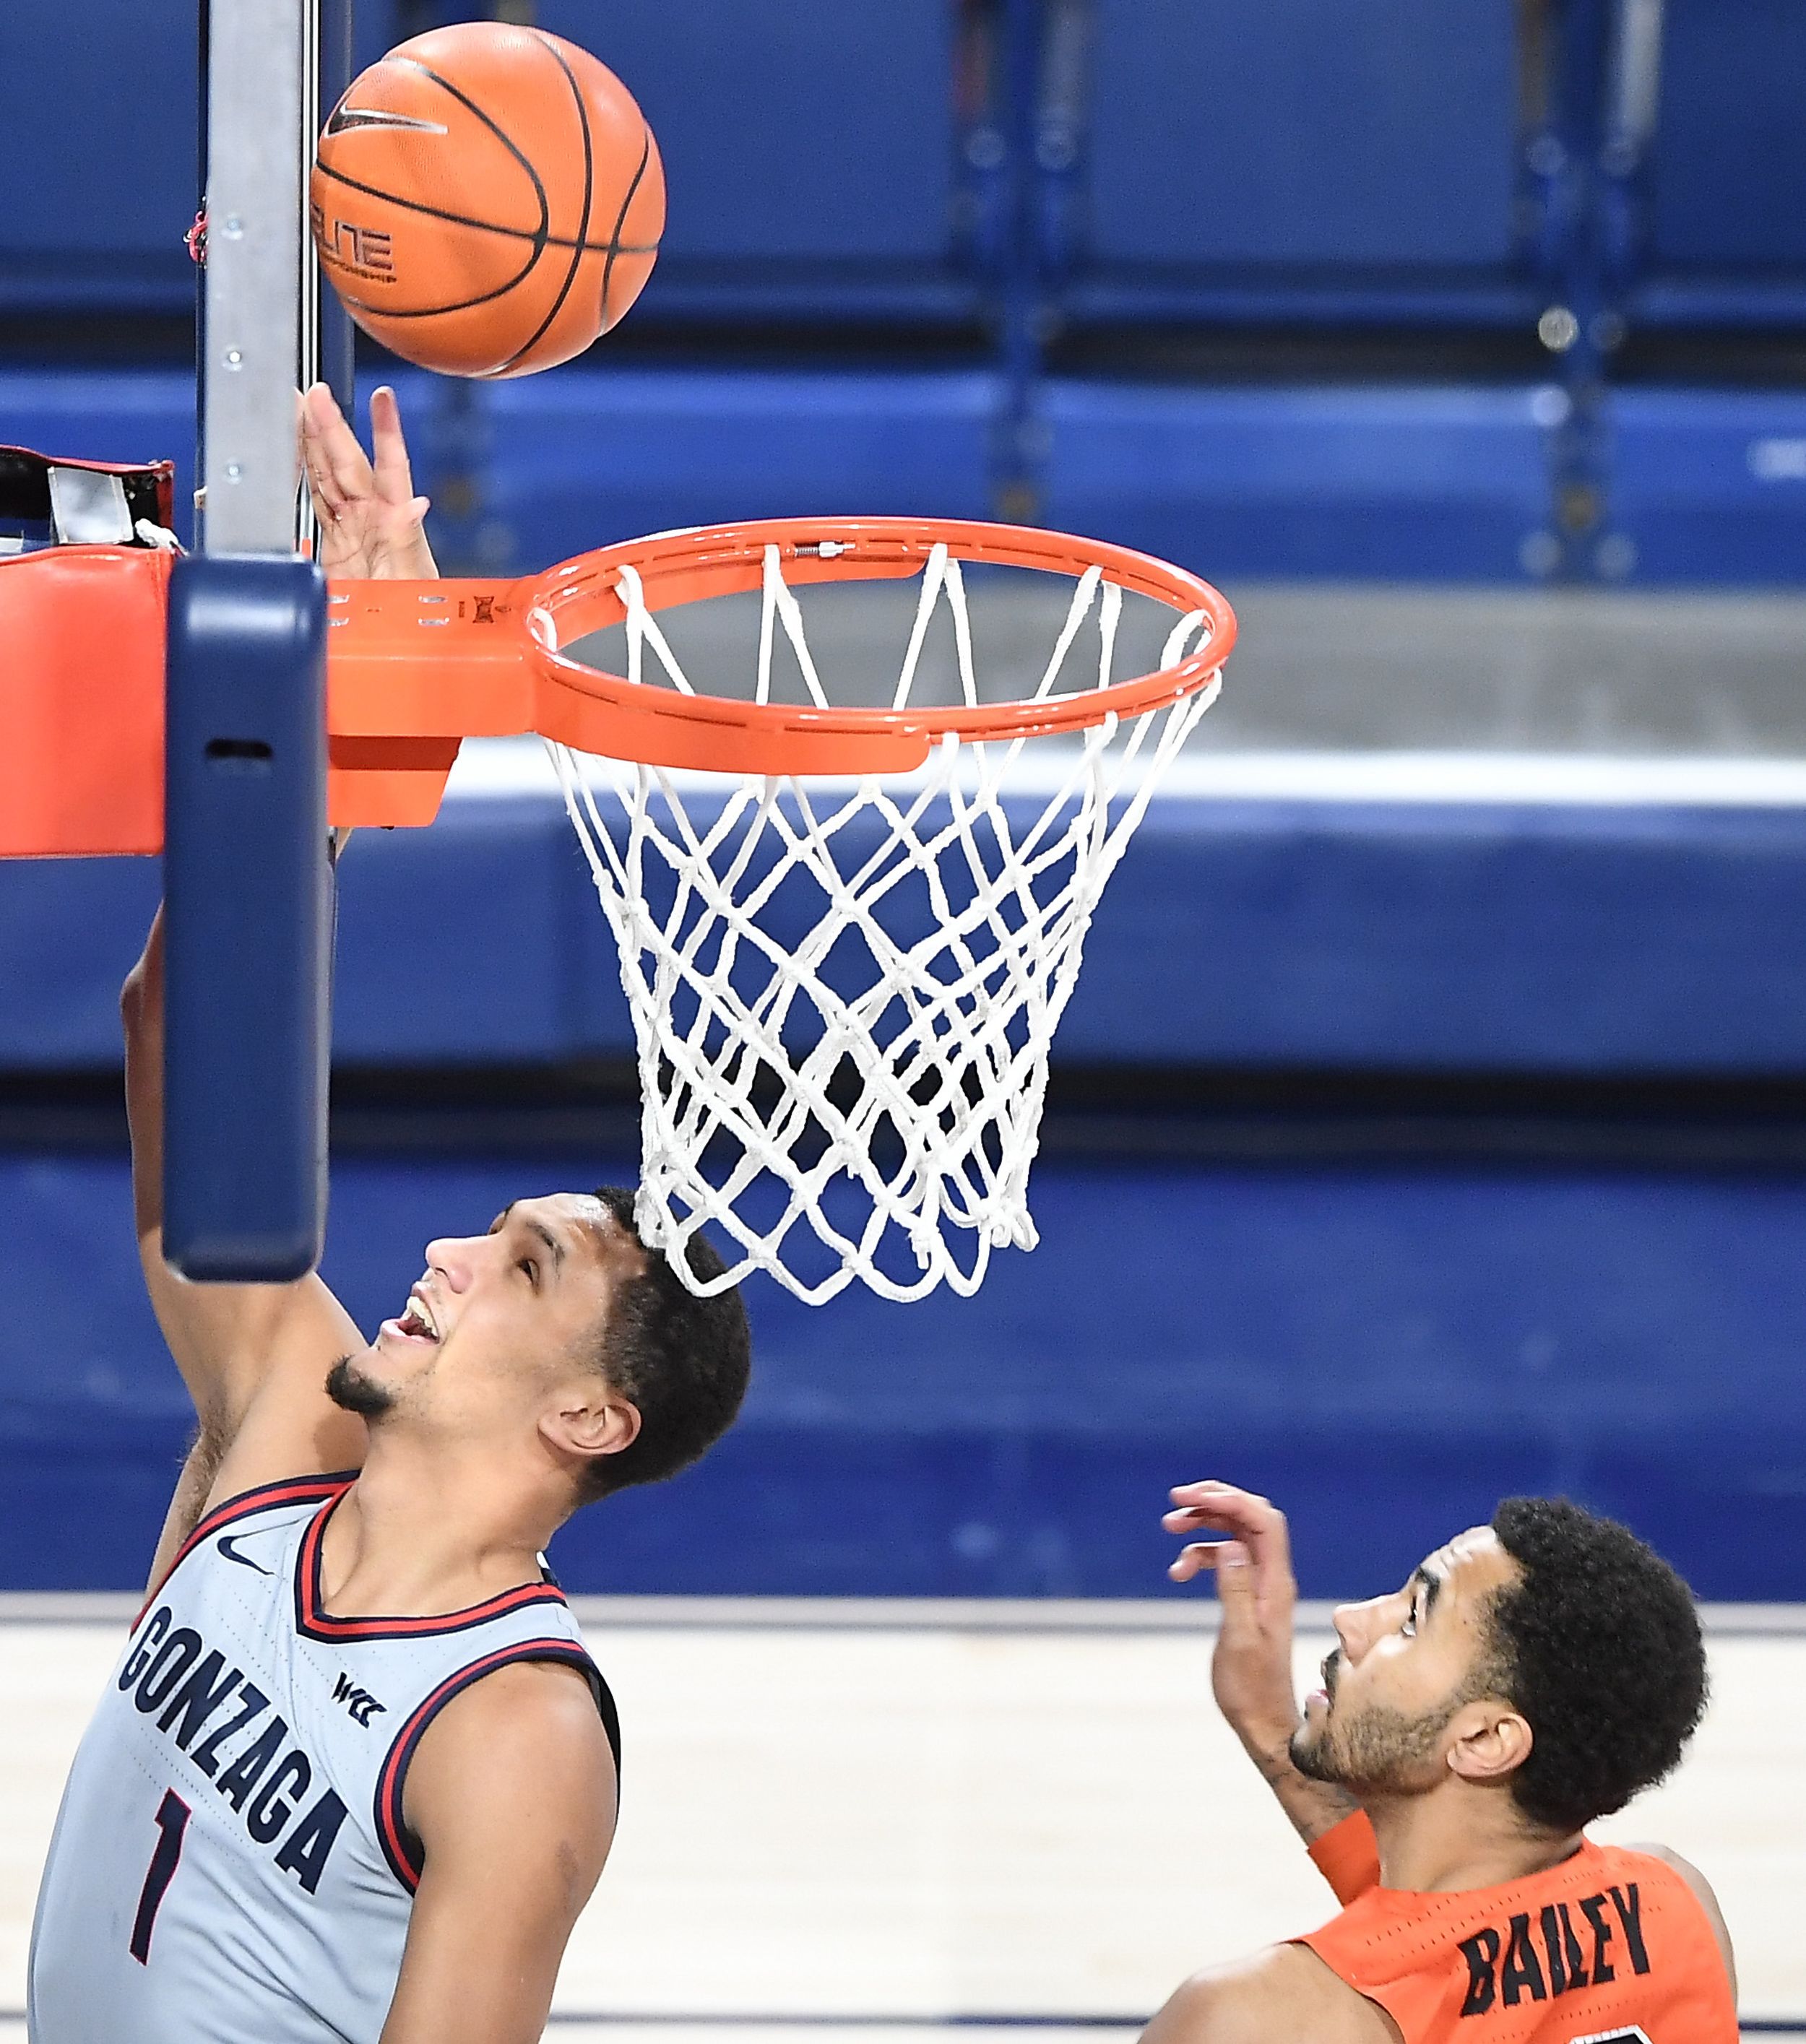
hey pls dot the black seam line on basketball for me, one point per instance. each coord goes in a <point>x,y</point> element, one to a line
<point>499,133</point>
<point>557,56</point>
<point>587,247</point>
<point>621,222</point>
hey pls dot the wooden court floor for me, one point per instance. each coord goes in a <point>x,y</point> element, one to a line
<point>846,1821</point>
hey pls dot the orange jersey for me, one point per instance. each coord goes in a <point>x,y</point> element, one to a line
<point>1608,1947</point>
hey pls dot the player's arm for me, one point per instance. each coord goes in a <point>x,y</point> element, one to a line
<point>1285,1992</point>
<point>1708,1901</point>
<point>512,1796</point>
<point>254,1357</point>
<point>1251,1672</point>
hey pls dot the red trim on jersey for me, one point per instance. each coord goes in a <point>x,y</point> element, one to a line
<point>261,1497</point>
<point>400,1847</point>
<point>312,1617</point>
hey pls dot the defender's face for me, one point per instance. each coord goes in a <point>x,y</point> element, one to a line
<point>1402,1665</point>
<point>501,1315</point>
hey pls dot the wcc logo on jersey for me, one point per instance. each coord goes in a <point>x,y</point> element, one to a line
<point>1563,1950</point>
<point>360,1705</point>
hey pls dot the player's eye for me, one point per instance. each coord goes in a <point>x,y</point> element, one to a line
<point>1409,1628</point>
<point>531,1268</point>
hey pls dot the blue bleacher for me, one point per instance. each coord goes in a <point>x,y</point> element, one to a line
<point>98,148</point>
<point>1084,190</point>
<point>1145,165</point>
<point>98,156</point>
<point>1710,486</point>
<point>1408,483</point>
<point>1385,1351</point>
<point>1247,161</point>
<point>810,154</point>
<point>1606,941</point>
<point>576,461</point>
<point>1725,238</point>
<point>1388,1344</point>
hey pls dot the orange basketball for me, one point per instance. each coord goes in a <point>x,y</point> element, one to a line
<point>487,200</point>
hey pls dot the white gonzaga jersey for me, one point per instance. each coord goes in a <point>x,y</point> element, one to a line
<point>232,1861</point>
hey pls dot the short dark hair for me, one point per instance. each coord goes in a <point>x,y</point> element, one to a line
<point>1598,1644</point>
<point>683,1361</point>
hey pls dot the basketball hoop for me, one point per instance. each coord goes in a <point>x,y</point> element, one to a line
<point>847,930</point>
<point>846,944</point>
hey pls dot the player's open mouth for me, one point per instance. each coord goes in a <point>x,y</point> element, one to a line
<point>417,1323</point>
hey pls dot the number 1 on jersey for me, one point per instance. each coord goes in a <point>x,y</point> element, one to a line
<point>172,1821</point>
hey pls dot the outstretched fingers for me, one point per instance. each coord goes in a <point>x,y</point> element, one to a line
<point>338,472</point>
<point>1255,1538</point>
<point>394,477</point>
<point>1202,1555</point>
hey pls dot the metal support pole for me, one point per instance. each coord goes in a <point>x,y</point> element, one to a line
<point>245,870</point>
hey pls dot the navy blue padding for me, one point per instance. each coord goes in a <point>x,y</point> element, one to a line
<point>798,143</point>
<point>1709,486</point>
<point>579,460</point>
<point>1728,160</point>
<point>1420,482</point>
<point>248,920</point>
<point>1385,1351</point>
<point>1307,134</point>
<point>1584,940</point>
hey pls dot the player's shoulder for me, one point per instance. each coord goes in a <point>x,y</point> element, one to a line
<point>1284,1991</point>
<point>516,1770</point>
<point>1703,1894</point>
<point>525,1720</point>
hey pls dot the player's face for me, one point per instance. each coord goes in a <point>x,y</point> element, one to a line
<point>497,1320</point>
<point>1404,1665</point>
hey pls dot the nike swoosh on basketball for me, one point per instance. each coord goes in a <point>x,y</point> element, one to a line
<point>346,117</point>
<point>228,1547</point>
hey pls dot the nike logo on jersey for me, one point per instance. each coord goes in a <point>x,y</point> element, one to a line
<point>360,1705</point>
<point>1522,1962</point>
<point>229,1546</point>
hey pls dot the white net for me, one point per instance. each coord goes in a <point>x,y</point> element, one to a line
<point>844,993</point>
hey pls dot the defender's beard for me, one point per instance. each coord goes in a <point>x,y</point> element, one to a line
<point>355,1391</point>
<point>1381,1750</point>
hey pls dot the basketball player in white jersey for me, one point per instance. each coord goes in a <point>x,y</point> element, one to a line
<point>355,1775</point>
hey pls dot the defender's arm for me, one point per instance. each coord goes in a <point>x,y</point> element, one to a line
<point>254,1357</point>
<point>1251,1672</point>
<point>512,1796</point>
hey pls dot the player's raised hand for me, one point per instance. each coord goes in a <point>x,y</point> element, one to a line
<point>1250,1673</point>
<point>371,520</point>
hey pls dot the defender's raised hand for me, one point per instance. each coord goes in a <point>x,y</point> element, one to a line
<point>1251,1672</point>
<point>371,520</point>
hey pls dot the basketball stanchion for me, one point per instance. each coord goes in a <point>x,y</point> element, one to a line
<point>847,934</point>
<point>245,875</point>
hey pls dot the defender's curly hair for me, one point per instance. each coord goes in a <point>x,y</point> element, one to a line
<point>1599,1646</point>
<point>685,1362</point>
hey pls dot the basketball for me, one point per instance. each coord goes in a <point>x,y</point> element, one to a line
<point>487,200</point>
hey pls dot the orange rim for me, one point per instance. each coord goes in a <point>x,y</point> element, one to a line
<point>582,595</point>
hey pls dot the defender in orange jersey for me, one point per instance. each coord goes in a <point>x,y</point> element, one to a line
<point>1533,1675</point>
